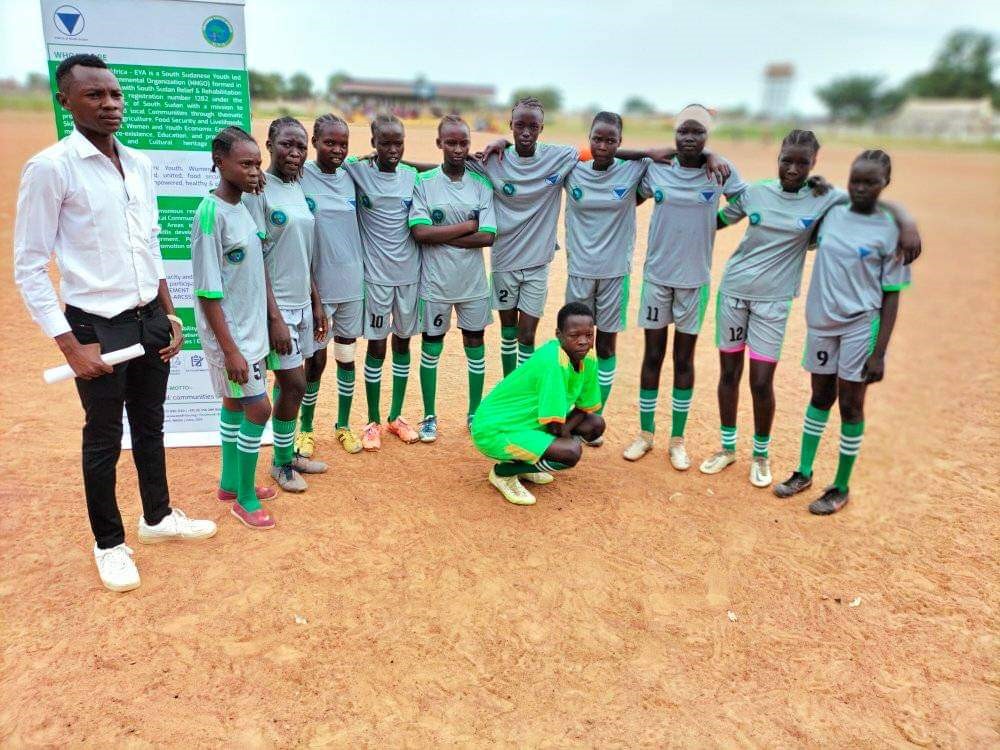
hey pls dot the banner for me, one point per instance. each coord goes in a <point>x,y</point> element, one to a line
<point>182,67</point>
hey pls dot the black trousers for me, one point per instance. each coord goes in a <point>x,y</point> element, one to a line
<point>140,386</point>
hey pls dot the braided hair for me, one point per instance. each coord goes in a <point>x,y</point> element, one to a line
<point>276,125</point>
<point>608,118</point>
<point>384,118</point>
<point>451,120</point>
<point>801,138</point>
<point>880,157</point>
<point>328,119</point>
<point>224,140</point>
<point>528,102</point>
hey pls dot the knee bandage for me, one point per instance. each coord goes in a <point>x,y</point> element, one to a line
<point>344,353</point>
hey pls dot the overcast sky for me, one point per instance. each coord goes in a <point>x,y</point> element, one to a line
<point>596,52</point>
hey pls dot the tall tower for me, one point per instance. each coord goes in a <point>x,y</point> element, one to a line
<point>778,79</point>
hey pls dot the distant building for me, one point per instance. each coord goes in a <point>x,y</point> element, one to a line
<point>959,119</point>
<point>415,95</point>
<point>778,78</point>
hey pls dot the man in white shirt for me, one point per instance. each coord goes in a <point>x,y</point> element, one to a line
<point>90,200</point>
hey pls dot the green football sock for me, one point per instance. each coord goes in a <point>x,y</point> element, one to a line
<point>524,351</point>
<point>728,438</point>
<point>850,444</point>
<point>229,425</point>
<point>475,357</point>
<point>812,432</point>
<point>508,349</point>
<point>761,444</point>
<point>605,378</point>
<point>400,376</point>
<point>345,394</point>
<point>513,468</point>
<point>247,449</point>
<point>430,355</point>
<point>647,408</point>
<point>680,407</point>
<point>308,408</point>
<point>284,438</point>
<point>373,387</point>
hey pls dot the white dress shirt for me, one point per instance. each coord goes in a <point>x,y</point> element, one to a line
<point>103,230</point>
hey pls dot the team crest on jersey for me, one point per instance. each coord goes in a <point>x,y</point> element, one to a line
<point>707,195</point>
<point>755,218</point>
<point>437,216</point>
<point>407,202</point>
<point>366,202</point>
<point>619,192</point>
<point>311,203</point>
<point>658,196</point>
<point>864,252</point>
<point>236,255</point>
<point>807,221</point>
<point>553,179</point>
<point>577,193</point>
<point>279,218</point>
<point>508,188</point>
<point>352,202</point>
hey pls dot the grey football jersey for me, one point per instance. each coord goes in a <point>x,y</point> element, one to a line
<point>449,273</point>
<point>337,259</point>
<point>282,214</point>
<point>682,227</point>
<point>227,259</point>
<point>855,262</point>
<point>391,255</point>
<point>527,192</point>
<point>600,218</point>
<point>767,264</point>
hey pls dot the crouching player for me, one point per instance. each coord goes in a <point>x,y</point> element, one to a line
<point>536,419</point>
<point>228,262</point>
<point>850,313</point>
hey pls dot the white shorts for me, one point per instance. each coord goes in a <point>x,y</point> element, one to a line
<point>300,328</point>
<point>659,306</point>
<point>608,298</point>
<point>842,354</point>
<point>751,324</point>
<point>473,315</point>
<point>252,390</point>
<point>344,319</point>
<point>391,309</point>
<point>525,290</point>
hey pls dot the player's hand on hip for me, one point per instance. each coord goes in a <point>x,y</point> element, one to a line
<point>176,342</point>
<point>909,246</point>
<point>85,361</point>
<point>237,368</point>
<point>280,337</point>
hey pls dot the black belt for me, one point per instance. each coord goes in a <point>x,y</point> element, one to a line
<point>143,311</point>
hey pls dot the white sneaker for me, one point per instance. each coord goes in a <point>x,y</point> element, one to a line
<point>511,489</point>
<point>717,462</point>
<point>678,454</point>
<point>175,526</point>
<point>538,477</point>
<point>116,568</point>
<point>595,443</point>
<point>639,447</point>
<point>760,471</point>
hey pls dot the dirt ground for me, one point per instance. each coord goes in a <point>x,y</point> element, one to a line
<point>401,602</point>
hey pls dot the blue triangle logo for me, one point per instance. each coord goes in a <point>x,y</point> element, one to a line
<point>806,223</point>
<point>407,202</point>
<point>620,192</point>
<point>353,202</point>
<point>864,252</point>
<point>552,179</point>
<point>69,20</point>
<point>707,195</point>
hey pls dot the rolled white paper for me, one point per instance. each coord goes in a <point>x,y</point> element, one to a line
<point>65,372</point>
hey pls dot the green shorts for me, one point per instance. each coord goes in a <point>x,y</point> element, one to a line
<point>525,445</point>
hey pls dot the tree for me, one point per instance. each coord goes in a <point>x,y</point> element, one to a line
<point>334,81</point>
<point>963,69</point>
<point>636,105</point>
<point>37,82</point>
<point>266,85</point>
<point>299,87</point>
<point>857,98</point>
<point>549,96</point>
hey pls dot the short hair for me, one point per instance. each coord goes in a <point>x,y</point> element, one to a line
<point>801,138</point>
<point>87,61</point>
<point>328,119</point>
<point>384,118</point>
<point>529,102</point>
<point>224,140</point>
<point>879,156</point>
<point>608,118</point>
<point>570,309</point>
<point>276,125</point>
<point>451,120</point>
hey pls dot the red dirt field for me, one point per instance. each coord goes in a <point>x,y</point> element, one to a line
<point>401,602</point>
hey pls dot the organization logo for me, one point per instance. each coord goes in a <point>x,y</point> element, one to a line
<point>864,252</point>
<point>366,202</point>
<point>217,31</point>
<point>352,202</point>
<point>236,255</point>
<point>508,188</point>
<point>707,195</point>
<point>755,218</point>
<point>577,193</point>
<point>69,20</point>
<point>407,202</point>
<point>311,203</point>
<point>658,195</point>
<point>619,192</point>
<point>278,217</point>
<point>553,179</point>
<point>437,216</point>
<point>807,221</point>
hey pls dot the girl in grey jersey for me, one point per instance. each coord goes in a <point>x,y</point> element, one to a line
<point>295,316</point>
<point>758,285</point>
<point>850,313</point>
<point>338,270</point>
